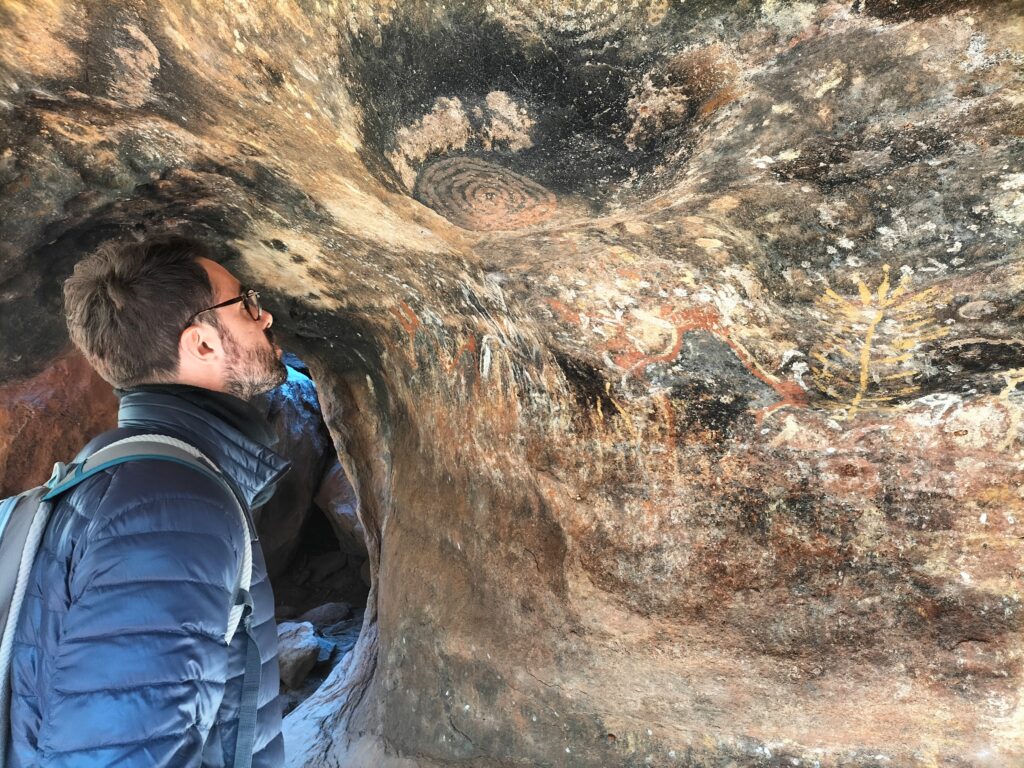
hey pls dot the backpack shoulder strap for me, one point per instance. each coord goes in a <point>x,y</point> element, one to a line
<point>65,477</point>
<point>24,519</point>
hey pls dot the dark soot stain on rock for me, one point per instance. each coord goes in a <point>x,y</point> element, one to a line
<point>903,10</point>
<point>471,57</point>
<point>709,409</point>
<point>579,99</point>
<point>588,386</point>
<point>709,364</point>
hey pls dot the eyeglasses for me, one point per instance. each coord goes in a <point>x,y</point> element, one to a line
<point>251,300</point>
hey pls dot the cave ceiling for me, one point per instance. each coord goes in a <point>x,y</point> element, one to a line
<point>674,347</point>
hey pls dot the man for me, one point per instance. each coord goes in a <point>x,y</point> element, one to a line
<point>120,658</point>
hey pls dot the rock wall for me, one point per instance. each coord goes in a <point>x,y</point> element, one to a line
<point>48,417</point>
<point>673,348</point>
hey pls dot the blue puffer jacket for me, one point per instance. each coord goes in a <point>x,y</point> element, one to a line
<point>119,656</point>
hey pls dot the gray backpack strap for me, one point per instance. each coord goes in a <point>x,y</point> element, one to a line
<point>246,736</point>
<point>22,524</point>
<point>130,449</point>
<point>20,518</point>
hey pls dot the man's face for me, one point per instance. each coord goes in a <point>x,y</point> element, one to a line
<point>252,361</point>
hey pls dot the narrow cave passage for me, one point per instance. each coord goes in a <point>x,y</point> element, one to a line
<point>313,542</point>
<point>326,587</point>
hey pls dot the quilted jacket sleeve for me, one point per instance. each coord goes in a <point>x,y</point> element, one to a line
<point>141,664</point>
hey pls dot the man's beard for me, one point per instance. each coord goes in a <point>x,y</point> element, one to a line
<point>253,371</point>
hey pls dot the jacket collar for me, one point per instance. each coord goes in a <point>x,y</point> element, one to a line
<point>252,467</point>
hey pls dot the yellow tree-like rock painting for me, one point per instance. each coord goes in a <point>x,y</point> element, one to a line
<point>872,355</point>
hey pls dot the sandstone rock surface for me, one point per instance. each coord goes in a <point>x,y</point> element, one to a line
<point>48,417</point>
<point>327,614</point>
<point>674,350</point>
<point>337,499</point>
<point>298,651</point>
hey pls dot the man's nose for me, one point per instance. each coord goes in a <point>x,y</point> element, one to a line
<point>268,319</point>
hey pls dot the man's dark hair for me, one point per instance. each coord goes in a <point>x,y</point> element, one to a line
<point>127,303</point>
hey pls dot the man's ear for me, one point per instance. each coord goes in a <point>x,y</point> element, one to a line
<point>199,344</point>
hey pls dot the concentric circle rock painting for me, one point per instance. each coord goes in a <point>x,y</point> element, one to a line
<point>483,196</point>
